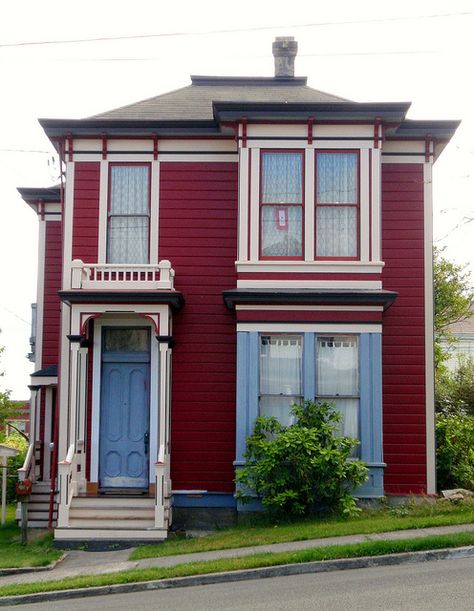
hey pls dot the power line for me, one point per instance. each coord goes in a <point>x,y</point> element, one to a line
<point>15,315</point>
<point>25,151</point>
<point>236,30</point>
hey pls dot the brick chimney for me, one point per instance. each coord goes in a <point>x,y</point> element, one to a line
<point>284,50</point>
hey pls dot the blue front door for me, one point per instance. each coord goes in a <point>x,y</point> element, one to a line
<point>124,411</point>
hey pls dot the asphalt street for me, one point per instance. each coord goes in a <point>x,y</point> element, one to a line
<point>440,585</point>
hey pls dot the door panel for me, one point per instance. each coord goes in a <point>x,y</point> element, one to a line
<point>124,422</point>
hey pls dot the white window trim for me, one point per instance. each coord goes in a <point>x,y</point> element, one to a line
<point>369,196</point>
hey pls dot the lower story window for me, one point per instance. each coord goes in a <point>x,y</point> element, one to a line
<point>280,375</point>
<point>336,376</point>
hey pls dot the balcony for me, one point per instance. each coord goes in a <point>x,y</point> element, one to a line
<point>112,276</point>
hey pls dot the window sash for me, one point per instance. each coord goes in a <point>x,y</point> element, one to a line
<point>281,375</point>
<point>282,231</point>
<point>338,379</point>
<point>281,204</point>
<point>128,228</point>
<point>281,177</point>
<point>337,224</point>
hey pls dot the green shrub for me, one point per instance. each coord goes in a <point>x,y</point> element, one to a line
<point>455,451</point>
<point>303,467</point>
<point>455,389</point>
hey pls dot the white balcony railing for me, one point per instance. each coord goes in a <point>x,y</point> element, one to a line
<point>103,276</point>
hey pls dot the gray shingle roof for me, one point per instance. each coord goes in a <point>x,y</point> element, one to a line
<point>195,101</point>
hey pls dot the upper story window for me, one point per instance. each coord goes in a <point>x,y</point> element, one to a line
<point>129,214</point>
<point>337,205</point>
<point>281,199</point>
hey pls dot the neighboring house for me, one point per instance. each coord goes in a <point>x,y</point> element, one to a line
<point>463,347</point>
<point>217,252</point>
<point>20,420</point>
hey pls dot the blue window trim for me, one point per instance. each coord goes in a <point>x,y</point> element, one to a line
<point>370,377</point>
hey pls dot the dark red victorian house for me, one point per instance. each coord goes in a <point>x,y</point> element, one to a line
<point>217,252</point>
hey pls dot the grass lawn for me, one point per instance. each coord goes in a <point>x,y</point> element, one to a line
<point>370,548</point>
<point>411,515</point>
<point>38,552</point>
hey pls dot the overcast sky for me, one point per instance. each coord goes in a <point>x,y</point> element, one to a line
<point>418,51</point>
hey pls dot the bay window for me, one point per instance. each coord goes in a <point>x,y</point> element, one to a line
<point>129,214</point>
<point>337,205</point>
<point>276,369</point>
<point>281,198</point>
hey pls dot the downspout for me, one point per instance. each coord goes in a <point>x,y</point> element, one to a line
<point>54,460</point>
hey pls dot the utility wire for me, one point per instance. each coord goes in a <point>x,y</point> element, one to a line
<point>236,30</point>
<point>15,315</point>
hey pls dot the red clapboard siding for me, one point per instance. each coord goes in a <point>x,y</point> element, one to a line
<point>403,350</point>
<point>52,284</point>
<point>86,211</point>
<point>198,234</point>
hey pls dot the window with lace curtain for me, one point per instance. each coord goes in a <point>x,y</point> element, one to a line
<point>337,205</point>
<point>336,368</point>
<point>281,211</point>
<point>129,214</point>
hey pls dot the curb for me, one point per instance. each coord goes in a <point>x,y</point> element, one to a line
<point>324,566</point>
<point>32,569</point>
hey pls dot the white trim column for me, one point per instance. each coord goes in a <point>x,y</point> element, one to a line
<point>429,330</point>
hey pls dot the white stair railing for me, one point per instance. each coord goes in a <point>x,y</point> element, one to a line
<point>27,470</point>
<point>67,486</point>
<point>162,491</point>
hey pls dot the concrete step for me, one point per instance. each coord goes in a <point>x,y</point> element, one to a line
<point>104,523</point>
<point>101,534</point>
<point>110,513</point>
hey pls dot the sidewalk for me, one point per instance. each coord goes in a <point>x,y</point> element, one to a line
<point>94,563</point>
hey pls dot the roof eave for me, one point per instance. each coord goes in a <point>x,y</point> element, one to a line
<point>240,296</point>
<point>34,195</point>
<point>59,128</point>
<point>320,111</point>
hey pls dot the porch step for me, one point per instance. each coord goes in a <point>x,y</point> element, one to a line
<point>112,524</point>
<point>38,506</point>
<point>108,513</point>
<point>106,534</point>
<point>110,502</point>
<point>120,513</point>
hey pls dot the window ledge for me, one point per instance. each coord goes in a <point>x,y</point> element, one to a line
<point>336,267</point>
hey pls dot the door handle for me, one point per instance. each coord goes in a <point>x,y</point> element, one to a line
<point>146,441</point>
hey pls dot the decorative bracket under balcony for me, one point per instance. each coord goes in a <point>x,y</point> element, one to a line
<point>113,276</point>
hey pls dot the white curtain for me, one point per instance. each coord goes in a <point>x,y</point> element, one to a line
<point>128,231</point>
<point>128,240</point>
<point>282,178</point>
<point>336,178</point>
<point>280,375</point>
<point>129,186</point>
<point>282,231</point>
<point>336,231</point>
<point>337,377</point>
